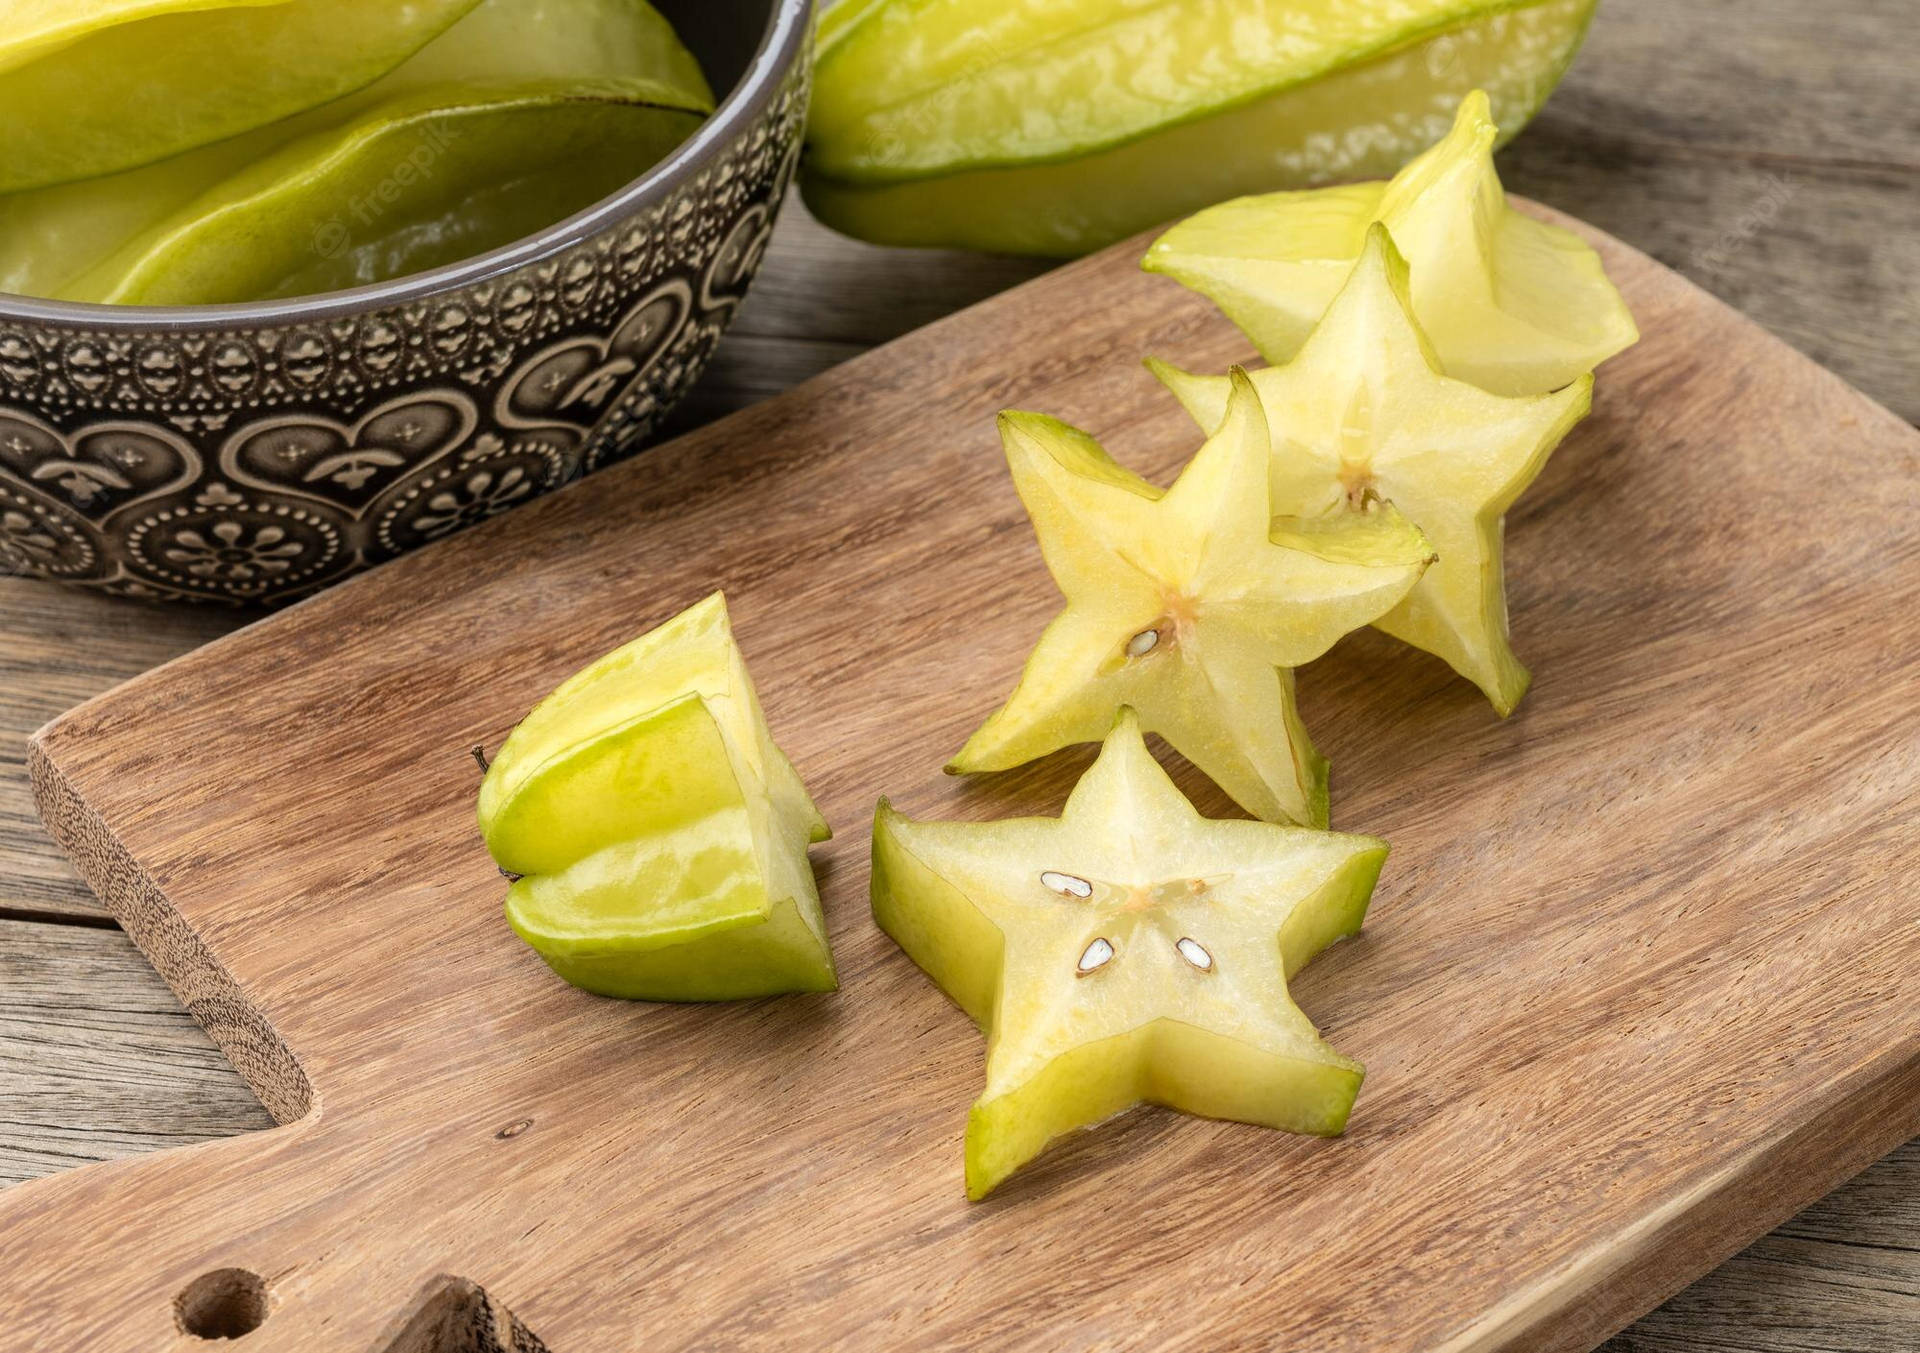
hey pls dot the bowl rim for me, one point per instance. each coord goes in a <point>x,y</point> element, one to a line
<point>782,43</point>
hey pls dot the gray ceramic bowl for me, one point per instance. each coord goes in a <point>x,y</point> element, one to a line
<point>254,453</point>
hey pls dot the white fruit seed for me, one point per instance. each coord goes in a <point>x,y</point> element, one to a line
<point>1067,885</point>
<point>1192,951</point>
<point>1096,956</point>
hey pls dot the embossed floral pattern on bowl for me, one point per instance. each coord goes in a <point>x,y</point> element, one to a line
<point>253,454</point>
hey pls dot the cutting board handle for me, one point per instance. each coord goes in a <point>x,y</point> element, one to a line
<point>191,1247</point>
<point>207,1243</point>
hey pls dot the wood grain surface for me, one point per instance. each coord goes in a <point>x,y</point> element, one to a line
<point>1638,984</point>
<point>82,1031</point>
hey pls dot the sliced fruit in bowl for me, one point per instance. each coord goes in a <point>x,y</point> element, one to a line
<point>96,88</point>
<point>522,112</point>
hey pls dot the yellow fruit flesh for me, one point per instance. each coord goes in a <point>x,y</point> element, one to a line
<point>702,877</point>
<point>692,654</point>
<point>666,767</point>
<point>1361,415</point>
<point>1189,607</point>
<point>1511,304</point>
<point>1187,1003</point>
<point>662,835</point>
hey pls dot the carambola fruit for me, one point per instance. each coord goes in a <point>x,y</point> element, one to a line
<point>523,112</point>
<point>97,87</point>
<point>1130,951</point>
<point>1192,605</point>
<point>1511,304</point>
<point>660,835</point>
<point>1361,416</point>
<point>1058,128</point>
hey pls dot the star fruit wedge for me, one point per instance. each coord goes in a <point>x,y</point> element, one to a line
<point>660,834</point>
<point>1511,304</point>
<point>1362,415</point>
<point>521,113</point>
<point>96,87</point>
<point>1191,605</point>
<point>1130,951</point>
<point>1059,128</point>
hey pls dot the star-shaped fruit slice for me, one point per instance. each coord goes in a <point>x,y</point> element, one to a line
<point>660,835</point>
<point>1362,415</point>
<point>1191,605</point>
<point>1513,305</point>
<point>1129,951</point>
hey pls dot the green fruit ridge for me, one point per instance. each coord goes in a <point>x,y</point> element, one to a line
<point>1362,416</point>
<point>659,834</point>
<point>1061,128</point>
<point>520,114</point>
<point>1130,951</point>
<point>94,88</point>
<point>1511,304</point>
<point>1190,605</point>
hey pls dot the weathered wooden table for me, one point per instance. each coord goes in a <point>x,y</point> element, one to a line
<point>1768,149</point>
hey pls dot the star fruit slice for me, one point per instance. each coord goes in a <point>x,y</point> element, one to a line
<point>660,834</point>
<point>1130,951</point>
<point>1514,305</point>
<point>1191,605</point>
<point>94,88</point>
<point>1060,128</point>
<point>1362,414</point>
<point>522,113</point>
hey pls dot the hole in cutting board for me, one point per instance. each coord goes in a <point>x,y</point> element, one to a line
<point>227,1303</point>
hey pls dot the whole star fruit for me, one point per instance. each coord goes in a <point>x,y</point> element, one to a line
<point>1060,128</point>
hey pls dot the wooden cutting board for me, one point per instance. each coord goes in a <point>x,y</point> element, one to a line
<point>1640,980</point>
